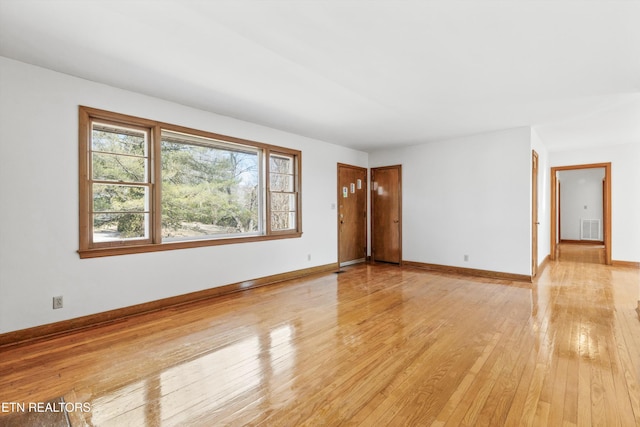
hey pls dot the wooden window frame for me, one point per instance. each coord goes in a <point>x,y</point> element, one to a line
<point>295,192</point>
<point>90,249</point>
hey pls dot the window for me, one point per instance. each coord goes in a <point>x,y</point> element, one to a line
<point>120,183</point>
<point>209,188</point>
<point>284,198</point>
<point>148,186</point>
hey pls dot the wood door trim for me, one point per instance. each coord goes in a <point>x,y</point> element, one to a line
<point>339,191</point>
<point>626,264</point>
<point>399,169</point>
<point>535,167</point>
<point>469,271</point>
<point>582,242</point>
<point>560,212</point>
<point>93,320</point>
<point>606,208</point>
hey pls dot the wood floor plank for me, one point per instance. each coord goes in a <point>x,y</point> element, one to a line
<point>375,345</point>
<point>544,346</point>
<point>631,375</point>
<point>570,404</point>
<point>584,381</point>
<point>516,408</point>
<point>504,392</point>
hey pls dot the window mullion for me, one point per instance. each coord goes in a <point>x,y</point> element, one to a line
<point>129,183</point>
<point>137,156</point>
<point>267,186</point>
<point>155,179</point>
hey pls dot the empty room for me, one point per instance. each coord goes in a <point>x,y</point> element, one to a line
<point>281,213</point>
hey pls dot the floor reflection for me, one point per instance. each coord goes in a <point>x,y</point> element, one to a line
<point>574,309</point>
<point>371,297</point>
<point>200,387</point>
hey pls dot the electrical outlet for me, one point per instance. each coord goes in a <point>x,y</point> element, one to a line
<point>57,302</point>
<point>466,258</point>
<point>308,257</point>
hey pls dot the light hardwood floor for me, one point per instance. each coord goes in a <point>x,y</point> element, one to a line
<point>376,345</point>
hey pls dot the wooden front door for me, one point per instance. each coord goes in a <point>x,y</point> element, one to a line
<point>352,214</point>
<point>386,219</point>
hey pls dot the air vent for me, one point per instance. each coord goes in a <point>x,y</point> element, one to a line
<point>590,229</point>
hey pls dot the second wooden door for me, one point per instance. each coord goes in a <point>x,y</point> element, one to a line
<point>386,207</point>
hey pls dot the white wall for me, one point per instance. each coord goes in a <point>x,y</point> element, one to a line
<point>468,196</point>
<point>39,206</point>
<point>580,198</point>
<point>625,192</point>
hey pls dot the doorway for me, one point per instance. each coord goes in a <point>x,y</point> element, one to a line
<point>352,214</point>
<point>587,224</point>
<point>386,214</point>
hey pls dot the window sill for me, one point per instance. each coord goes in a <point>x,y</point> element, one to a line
<point>138,249</point>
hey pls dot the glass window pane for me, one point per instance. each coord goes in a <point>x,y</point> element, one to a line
<point>283,202</point>
<point>281,164</point>
<point>208,191</point>
<point>120,198</point>
<point>281,221</point>
<point>280,182</point>
<point>118,140</point>
<point>113,167</point>
<point>118,226</point>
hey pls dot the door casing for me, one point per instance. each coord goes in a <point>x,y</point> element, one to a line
<point>534,214</point>
<point>606,208</point>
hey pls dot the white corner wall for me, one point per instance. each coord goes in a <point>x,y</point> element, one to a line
<point>39,199</point>
<point>625,192</point>
<point>468,196</point>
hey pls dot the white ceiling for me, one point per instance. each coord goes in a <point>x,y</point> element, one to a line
<point>364,74</point>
